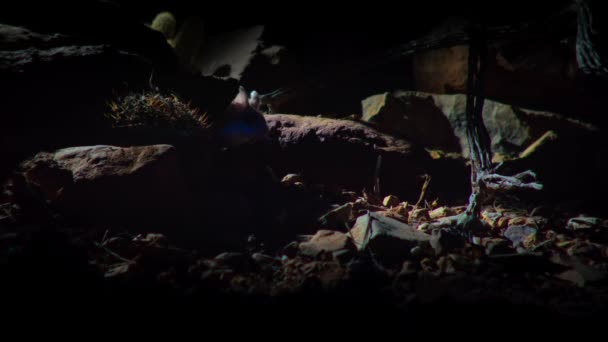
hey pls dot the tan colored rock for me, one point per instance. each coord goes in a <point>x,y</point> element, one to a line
<point>421,214</point>
<point>291,179</point>
<point>403,209</point>
<point>390,201</point>
<point>325,241</point>
<point>441,212</point>
<point>518,221</point>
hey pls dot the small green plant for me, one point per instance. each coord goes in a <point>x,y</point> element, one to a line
<point>152,109</point>
<point>165,23</point>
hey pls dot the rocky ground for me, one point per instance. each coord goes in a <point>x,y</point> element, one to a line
<point>119,197</point>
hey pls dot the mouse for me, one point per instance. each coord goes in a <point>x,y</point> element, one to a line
<point>242,122</point>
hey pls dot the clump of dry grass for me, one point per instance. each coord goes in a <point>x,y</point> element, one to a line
<point>152,109</point>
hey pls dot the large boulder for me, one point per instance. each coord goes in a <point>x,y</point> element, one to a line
<point>438,121</point>
<point>344,153</point>
<point>538,70</point>
<point>112,184</point>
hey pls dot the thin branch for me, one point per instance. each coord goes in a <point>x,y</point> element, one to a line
<point>427,181</point>
<point>114,254</point>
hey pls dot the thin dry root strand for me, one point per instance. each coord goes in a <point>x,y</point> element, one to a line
<point>496,182</point>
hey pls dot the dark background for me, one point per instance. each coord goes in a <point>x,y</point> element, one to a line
<point>319,21</point>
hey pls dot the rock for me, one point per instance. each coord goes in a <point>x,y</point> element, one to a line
<point>444,241</point>
<point>344,153</point>
<point>419,215</point>
<point>390,201</point>
<point>423,227</point>
<point>583,223</point>
<point>417,252</point>
<point>519,234</point>
<point>237,262</point>
<point>534,71</point>
<point>511,128</point>
<point>579,273</point>
<point>291,249</point>
<point>441,70</point>
<point>18,38</point>
<point>152,240</point>
<point>441,212</point>
<point>446,264</point>
<point>71,79</point>
<point>141,184</point>
<point>417,119</point>
<point>491,217</point>
<point>291,179</point>
<point>428,265</point>
<point>326,241</point>
<point>120,270</point>
<point>408,270</point>
<point>338,217</point>
<point>402,210</point>
<point>389,239</point>
<point>344,256</point>
<point>495,246</point>
<point>265,260</point>
<point>585,249</point>
<point>518,221</point>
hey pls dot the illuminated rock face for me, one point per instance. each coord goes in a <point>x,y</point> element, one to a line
<point>344,153</point>
<point>438,121</point>
<point>109,183</point>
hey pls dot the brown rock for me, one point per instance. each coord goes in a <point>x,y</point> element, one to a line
<point>344,154</point>
<point>77,73</point>
<point>581,274</point>
<point>107,183</point>
<point>326,241</point>
<point>538,70</point>
<point>495,246</point>
<point>444,241</point>
<point>291,179</point>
